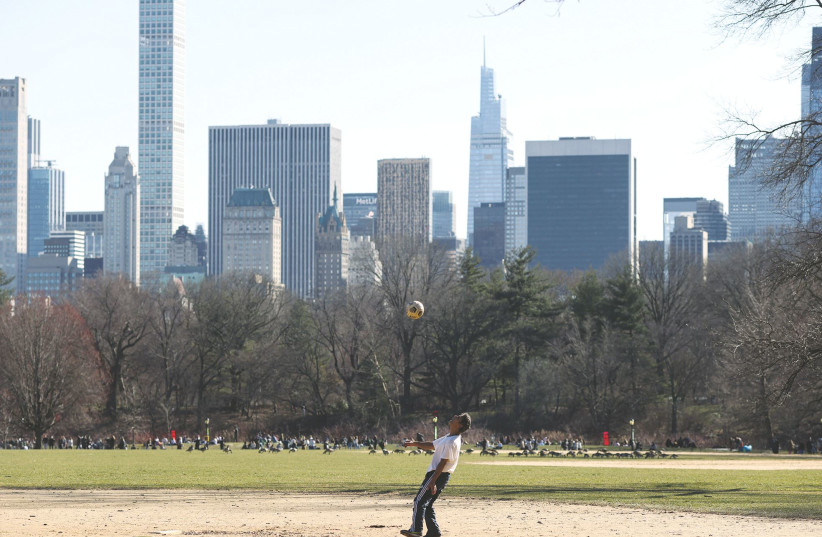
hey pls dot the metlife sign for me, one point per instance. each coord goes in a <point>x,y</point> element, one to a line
<point>356,206</point>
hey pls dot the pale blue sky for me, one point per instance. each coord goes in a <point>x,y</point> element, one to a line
<point>401,79</point>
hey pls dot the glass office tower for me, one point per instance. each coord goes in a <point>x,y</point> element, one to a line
<point>756,210</point>
<point>13,179</point>
<point>490,155</point>
<point>581,202</point>
<point>47,205</point>
<point>442,214</point>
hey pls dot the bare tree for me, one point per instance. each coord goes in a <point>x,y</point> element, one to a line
<point>116,312</point>
<point>495,12</point>
<point>593,370</point>
<point>460,350</point>
<point>410,271</point>
<point>48,364</point>
<point>230,313</point>
<point>346,329</point>
<point>760,16</point>
<point>796,144</point>
<point>168,346</point>
<point>670,300</point>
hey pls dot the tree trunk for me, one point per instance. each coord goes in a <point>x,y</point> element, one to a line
<point>674,417</point>
<point>111,404</point>
<point>406,406</point>
<point>516,383</point>
<point>764,410</point>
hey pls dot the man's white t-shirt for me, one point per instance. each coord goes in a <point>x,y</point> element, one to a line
<point>446,447</point>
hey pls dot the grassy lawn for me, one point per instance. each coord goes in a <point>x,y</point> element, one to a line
<point>784,493</point>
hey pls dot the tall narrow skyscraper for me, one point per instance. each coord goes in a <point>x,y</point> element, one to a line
<point>490,155</point>
<point>13,179</point>
<point>301,166</point>
<point>403,199</point>
<point>161,128</point>
<point>812,111</point>
<point>121,238</point>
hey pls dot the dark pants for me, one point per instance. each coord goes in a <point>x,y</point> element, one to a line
<point>424,504</point>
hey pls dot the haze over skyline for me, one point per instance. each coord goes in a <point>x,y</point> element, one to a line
<point>403,80</point>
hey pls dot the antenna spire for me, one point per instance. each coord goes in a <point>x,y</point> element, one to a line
<point>483,52</point>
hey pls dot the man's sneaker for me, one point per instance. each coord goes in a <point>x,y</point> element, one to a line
<point>409,533</point>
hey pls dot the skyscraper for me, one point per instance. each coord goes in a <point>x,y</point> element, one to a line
<point>13,179</point>
<point>581,202</point>
<point>34,142</point>
<point>689,245</point>
<point>442,214</point>
<point>490,154</point>
<point>812,110</point>
<point>47,205</point>
<point>90,223</point>
<point>403,199</point>
<point>755,209</point>
<point>252,234</point>
<point>67,244</point>
<point>489,233</point>
<point>360,213</point>
<point>161,128</point>
<point>671,209</point>
<point>300,164</point>
<point>710,216</point>
<point>121,243</point>
<point>516,209</point>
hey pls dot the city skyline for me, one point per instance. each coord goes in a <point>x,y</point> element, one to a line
<point>542,56</point>
<point>299,164</point>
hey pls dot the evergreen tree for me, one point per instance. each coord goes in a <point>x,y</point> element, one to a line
<point>523,295</point>
<point>624,308</point>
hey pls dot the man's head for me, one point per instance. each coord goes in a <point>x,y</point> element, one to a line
<point>460,423</point>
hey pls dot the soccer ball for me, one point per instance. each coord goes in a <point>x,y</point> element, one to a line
<point>414,309</point>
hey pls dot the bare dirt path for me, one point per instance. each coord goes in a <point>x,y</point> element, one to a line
<point>239,513</point>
